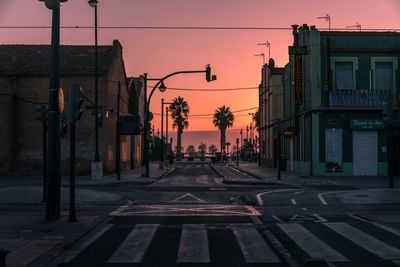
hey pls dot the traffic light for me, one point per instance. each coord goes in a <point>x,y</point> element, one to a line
<point>40,113</point>
<point>74,103</point>
<point>210,78</point>
<point>63,128</point>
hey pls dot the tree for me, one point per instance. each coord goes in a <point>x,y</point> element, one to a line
<point>202,147</point>
<point>256,118</point>
<point>223,119</point>
<point>212,149</point>
<point>190,150</point>
<point>179,113</point>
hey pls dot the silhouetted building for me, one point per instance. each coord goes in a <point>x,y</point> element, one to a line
<point>24,83</point>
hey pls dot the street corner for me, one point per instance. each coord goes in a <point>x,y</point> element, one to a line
<point>370,196</point>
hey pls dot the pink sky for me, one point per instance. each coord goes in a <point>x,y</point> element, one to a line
<point>231,53</point>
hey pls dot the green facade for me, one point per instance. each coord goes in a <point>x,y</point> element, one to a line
<point>324,106</point>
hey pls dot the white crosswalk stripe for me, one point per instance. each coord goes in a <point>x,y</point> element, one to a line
<point>367,242</point>
<point>135,244</point>
<point>312,245</point>
<point>193,246</point>
<point>253,246</point>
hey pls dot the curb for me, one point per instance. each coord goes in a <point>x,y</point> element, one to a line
<point>217,172</point>
<point>248,173</point>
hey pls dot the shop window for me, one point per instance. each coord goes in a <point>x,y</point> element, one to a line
<point>333,150</point>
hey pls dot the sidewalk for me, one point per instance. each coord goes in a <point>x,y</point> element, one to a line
<point>35,242</point>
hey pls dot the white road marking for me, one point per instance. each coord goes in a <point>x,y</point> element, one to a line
<point>253,246</point>
<point>320,219</point>
<point>187,195</point>
<point>312,245</point>
<point>259,199</point>
<point>193,246</point>
<point>294,201</point>
<point>301,218</point>
<point>87,243</point>
<point>133,248</point>
<point>277,218</point>
<point>383,227</point>
<point>322,199</point>
<point>297,193</point>
<point>304,208</point>
<point>367,242</point>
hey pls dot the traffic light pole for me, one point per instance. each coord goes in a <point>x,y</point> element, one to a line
<point>72,212</point>
<point>118,137</point>
<point>53,177</point>
<point>44,138</point>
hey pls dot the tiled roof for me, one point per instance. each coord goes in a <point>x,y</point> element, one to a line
<point>35,59</point>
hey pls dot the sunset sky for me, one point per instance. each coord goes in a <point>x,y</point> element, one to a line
<point>230,52</point>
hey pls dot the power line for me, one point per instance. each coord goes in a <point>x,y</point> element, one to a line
<point>212,114</point>
<point>77,27</point>
<point>211,90</point>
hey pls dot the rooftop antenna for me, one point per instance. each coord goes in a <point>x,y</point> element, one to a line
<point>357,26</point>
<point>267,44</point>
<point>261,55</point>
<point>328,19</point>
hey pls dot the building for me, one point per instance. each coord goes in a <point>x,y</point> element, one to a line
<point>270,111</point>
<point>337,86</point>
<point>24,82</point>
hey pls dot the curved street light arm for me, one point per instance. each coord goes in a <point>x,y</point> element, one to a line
<point>166,77</point>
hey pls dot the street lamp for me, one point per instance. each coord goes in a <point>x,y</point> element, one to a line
<point>162,88</point>
<point>53,172</point>
<point>161,164</point>
<point>97,166</point>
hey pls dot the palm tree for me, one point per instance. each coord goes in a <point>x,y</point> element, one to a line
<point>202,147</point>
<point>179,113</point>
<point>212,149</point>
<point>223,119</point>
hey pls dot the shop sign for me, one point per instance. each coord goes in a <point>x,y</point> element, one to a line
<point>298,50</point>
<point>367,124</point>
<point>298,79</point>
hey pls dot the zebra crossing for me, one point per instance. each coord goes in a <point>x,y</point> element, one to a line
<point>245,243</point>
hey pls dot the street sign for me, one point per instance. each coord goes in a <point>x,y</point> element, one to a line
<point>288,132</point>
<point>298,50</point>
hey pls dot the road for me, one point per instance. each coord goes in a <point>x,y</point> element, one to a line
<point>192,218</point>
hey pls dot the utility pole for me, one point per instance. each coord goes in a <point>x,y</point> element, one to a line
<point>166,128</point>
<point>118,137</point>
<point>53,176</point>
<point>146,131</point>
<point>161,163</point>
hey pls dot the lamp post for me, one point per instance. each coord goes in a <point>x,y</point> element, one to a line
<point>53,176</point>
<point>98,166</point>
<point>161,163</point>
<point>161,86</point>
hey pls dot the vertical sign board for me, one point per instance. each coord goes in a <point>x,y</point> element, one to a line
<point>298,82</point>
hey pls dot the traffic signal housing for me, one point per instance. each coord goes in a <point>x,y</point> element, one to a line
<point>210,77</point>
<point>75,100</point>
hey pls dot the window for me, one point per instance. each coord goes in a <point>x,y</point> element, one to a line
<point>333,150</point>
<point>344,72</point>
<point>384,72</point>
<point>344,75</point>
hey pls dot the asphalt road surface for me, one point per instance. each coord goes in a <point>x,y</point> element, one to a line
<point>191,218</point>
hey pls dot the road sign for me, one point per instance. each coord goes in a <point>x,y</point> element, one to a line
<point>288,132</point>
<point>298,50</point>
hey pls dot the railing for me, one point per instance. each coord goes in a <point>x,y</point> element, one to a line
<point>362,98</point>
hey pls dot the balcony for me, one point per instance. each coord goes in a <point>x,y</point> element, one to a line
<point>362,98</point>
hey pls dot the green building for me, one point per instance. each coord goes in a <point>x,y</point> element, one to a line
<point>337,88</point>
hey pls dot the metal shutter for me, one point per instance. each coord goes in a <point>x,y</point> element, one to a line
<point>333,146</point>
<point>365,152</point>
